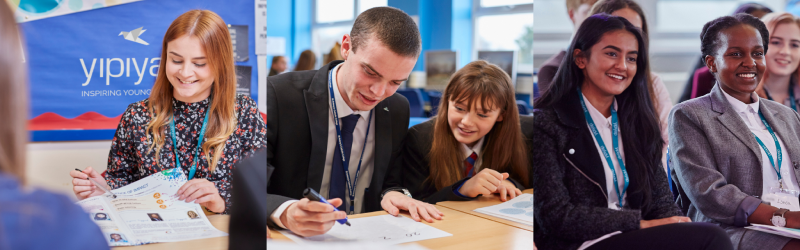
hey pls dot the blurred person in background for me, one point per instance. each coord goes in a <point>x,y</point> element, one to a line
<point>779,82</point>
<point>307,61</point>
<point>279,65</point>
<point>334,54</point>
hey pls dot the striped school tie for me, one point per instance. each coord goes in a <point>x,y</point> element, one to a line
<point>469,164</point>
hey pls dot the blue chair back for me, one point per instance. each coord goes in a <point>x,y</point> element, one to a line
<point>672,186</point>
<point>416,105</point>
<point>523,108</point>
<point>434,98</point>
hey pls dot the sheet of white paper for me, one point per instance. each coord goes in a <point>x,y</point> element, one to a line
<point>384,229</point>
<point>519,209</point>
<point>786,232</point>
<point>287,245</point>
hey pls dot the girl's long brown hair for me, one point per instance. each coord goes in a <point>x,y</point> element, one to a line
<point>13,97</point>
<point>504,149</point>
<point>213,34</point>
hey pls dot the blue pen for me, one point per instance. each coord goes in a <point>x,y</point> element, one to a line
<point>314,196</point>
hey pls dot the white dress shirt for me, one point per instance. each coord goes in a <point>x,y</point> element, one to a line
<point>367,164</point>
<point>603,125</point>
<point>749,114</point>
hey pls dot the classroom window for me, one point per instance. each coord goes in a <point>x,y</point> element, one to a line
<point>505,25</point>
<point>329,11</point>
<point>550,16</point>
<point>689,16</point>
<point>495,3</point>
<point>368,4</point>
<point>334,19</point>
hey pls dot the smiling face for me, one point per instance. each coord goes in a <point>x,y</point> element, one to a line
<point>739,61</point>
<point>784,55</point>
<point>116,237</point>
<point>470,124</point>
<point>187,69</point>
<point>611,66</point>
<point>372,74</point>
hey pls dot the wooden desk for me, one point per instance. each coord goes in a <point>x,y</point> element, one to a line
<point>218,243</point>
<point>484,201</point>
<point>469,232</point>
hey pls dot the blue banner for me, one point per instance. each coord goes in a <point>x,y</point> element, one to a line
<point>87,67</point>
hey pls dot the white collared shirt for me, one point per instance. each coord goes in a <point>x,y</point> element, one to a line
<point>603,125</point>
<point>467,151</point>
<point>749,114</point>
<point>367,164</point>
<point>365,176</point>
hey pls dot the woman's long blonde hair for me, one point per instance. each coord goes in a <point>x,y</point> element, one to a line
<point>213,34</point>
<point>504,149</point>
<point>13,97</point>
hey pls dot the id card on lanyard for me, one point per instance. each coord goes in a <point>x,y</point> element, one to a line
<point>615,142</point>
<point>780,196</point>
<point>199,142</point>
<point>351,184</point>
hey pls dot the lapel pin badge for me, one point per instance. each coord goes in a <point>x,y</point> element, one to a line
<point>386,108</point>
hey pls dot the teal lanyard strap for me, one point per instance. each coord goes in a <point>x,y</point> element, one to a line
<point>199,142</point>
<point>777,168</point>
<point>791,96</point>
<point>615,142</point>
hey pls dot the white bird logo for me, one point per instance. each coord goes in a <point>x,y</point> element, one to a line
<point>134,35</point>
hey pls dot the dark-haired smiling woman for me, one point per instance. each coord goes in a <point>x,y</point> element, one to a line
<point>734,153</point>
<point>597,152</point>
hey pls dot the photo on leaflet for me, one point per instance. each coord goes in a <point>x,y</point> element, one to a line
<point>154,217</point>
<point>116,237</point>
<point>192,215</point>
<point>101,216</point>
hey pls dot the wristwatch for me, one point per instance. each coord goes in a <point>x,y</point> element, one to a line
<point>778,219</point>
<point>398,189</point>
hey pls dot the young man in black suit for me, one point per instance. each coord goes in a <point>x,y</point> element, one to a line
<point>344,120</point>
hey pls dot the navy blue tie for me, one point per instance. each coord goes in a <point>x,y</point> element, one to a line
<point>338,179</point>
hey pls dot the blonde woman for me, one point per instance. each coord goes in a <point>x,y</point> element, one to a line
<point>779,82</point>
<point>193,113</point>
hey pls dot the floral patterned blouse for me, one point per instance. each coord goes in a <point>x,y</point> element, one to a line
<point>130,158</point>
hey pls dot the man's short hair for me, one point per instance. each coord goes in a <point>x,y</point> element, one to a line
<point>573,4</point>
<point>391,26</point>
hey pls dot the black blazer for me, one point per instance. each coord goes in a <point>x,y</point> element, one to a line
<point>571,205</point>
<point>297,137</point>
<point>416,169</point>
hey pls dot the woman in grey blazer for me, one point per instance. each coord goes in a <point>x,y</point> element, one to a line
<point>578,205</point>
<point>731,149</point>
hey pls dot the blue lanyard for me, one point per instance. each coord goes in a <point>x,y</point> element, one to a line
<point>199,142</point>
<point>615,142</point>
<point>345,162</point>
<point>777,147</point>
<point>791,96</point>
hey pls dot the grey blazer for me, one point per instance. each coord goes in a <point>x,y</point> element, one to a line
<point>717,162</point>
